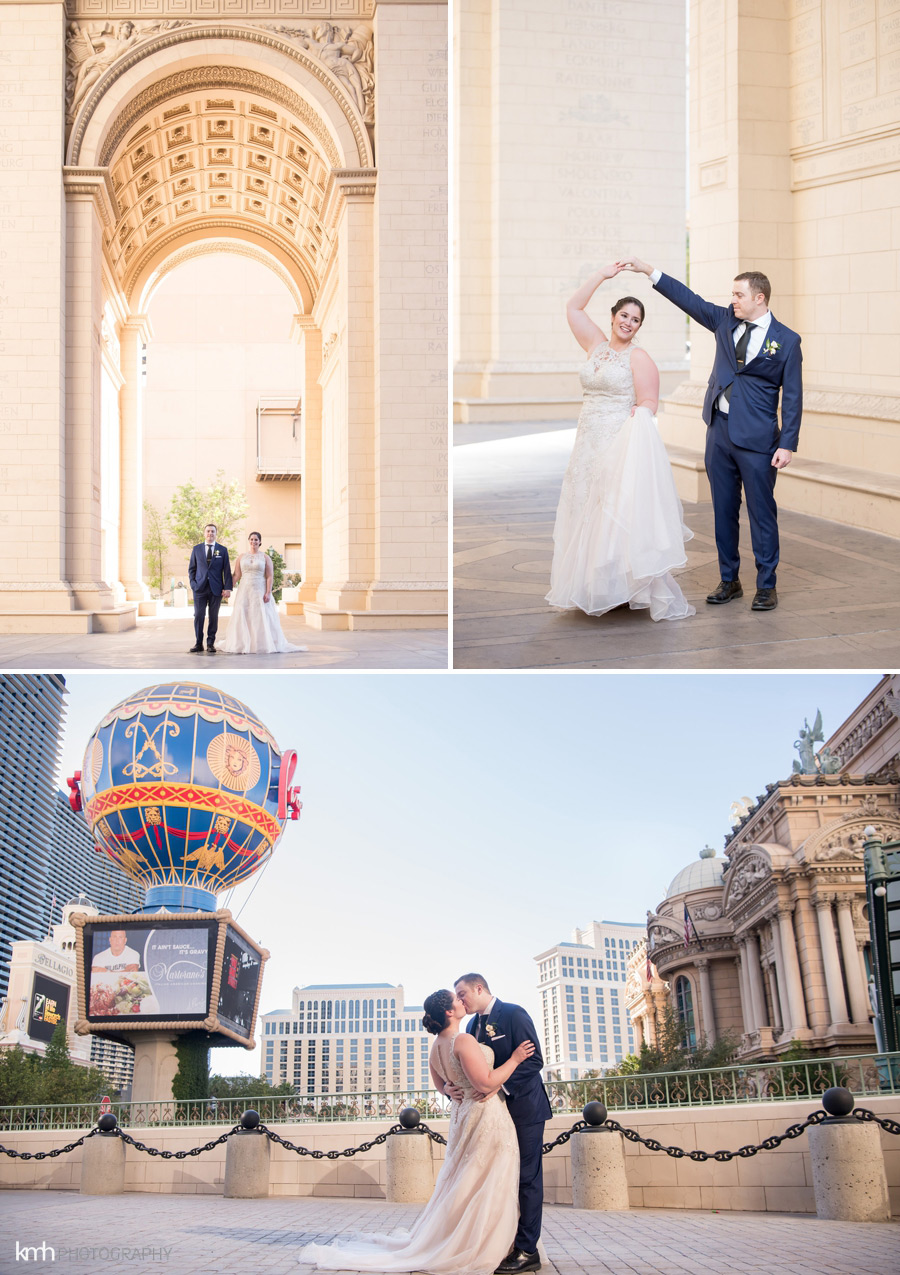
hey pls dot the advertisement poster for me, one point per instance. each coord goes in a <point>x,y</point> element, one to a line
<point>49,1006</point>
<point>237,989</point>
<point>154,971</point>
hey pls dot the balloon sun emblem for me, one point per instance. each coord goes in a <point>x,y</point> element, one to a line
<point>186,790</point>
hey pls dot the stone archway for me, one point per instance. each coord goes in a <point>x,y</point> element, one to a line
<point>185,133</point>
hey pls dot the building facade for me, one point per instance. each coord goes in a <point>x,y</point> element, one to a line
<point>771,942</point>
<point>346,1038</point>
<point>307,135</point>
<point>42,993</point>
<point>584,1022</point>
<point>32,711</point>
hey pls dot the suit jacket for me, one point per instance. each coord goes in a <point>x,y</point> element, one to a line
<point>507,1026</point>
<point>753,404</point>
<point>217,578</point>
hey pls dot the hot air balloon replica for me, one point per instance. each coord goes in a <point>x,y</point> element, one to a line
<point>186,790</point>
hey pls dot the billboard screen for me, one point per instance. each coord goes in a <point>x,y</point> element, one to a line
<point>239,981</point>
<point>150,969</point>
<point>49,1006</point>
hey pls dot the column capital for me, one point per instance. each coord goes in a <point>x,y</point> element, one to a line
<point>702,962</point>
<point>824,900</point>
<point>347,185</point>
<point>96,184</point>
<point>138,325</point>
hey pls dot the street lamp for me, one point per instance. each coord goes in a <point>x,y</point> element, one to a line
<point>882,865</point>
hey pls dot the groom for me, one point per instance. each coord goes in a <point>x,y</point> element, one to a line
<point>756,356</point>
<point>503,1027</point>
<point>210,577</point>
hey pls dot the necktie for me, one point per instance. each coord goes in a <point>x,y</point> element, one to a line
<point>208,554</point>
<point>479,1031</point>
<point>740,353</point>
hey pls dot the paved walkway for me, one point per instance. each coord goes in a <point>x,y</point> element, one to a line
<point>209,1235</point>
<point>163,643</point>
<point>838,588</point>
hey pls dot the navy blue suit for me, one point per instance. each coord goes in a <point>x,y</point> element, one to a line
<point>208,584</point>
<point>527,1102</point>
<point>740,444</point>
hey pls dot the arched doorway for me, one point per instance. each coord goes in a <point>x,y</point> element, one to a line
<point>256,134</point>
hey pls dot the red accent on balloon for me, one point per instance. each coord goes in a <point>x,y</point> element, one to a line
<point>288,805</point>
<point>75,792</point>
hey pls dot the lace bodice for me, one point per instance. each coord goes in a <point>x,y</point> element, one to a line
<point>253,570</point>
<point>607,382</point>
<point>452,1069</point>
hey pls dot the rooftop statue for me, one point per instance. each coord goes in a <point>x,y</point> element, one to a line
<point>811,762</point>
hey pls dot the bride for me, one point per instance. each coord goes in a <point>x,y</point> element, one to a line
<point>469,1223</point>
<point>255,628</point>
<point>619,527</point>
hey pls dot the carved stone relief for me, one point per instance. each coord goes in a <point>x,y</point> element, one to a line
<point>745,876</point>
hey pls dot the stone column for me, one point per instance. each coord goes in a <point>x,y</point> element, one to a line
<point>814,985</point>
<point>309,335</point>
<point>746,1010</point>
<point>410,1168</point>
<point>89,205</point>
<point>347,408</point>
<point>859,1000</point>
<point>706,1001</point>
<point>598,1170</point>
<point>781,978</point>
<point>849,1179</point>
<point>134,334</point>
<point>247,1164</point>
<point>32,331</point>
<point>837,1002</point>
<point>772,979</point>
<point>754,977</point>
<point>103,1165</point>
<point>410,490</point>
<point>792,972</point>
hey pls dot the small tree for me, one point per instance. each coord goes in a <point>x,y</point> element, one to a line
<point>223,502</point>
<point>247,1087</point>
<point>277,572</point>
<point>156,546</point>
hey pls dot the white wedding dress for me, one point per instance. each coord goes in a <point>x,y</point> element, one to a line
<point>620,526</point>
<point>469,1224</point>
<point>254,627</point>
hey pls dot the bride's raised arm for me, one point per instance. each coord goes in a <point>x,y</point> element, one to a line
<point>476,1067</point>
<point>585,330</point>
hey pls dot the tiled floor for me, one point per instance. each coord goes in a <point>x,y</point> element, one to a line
<point>163,643</point>
<point>838,588</point>
<point>209,1235</point>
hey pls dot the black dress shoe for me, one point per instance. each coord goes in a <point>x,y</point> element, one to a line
<point>727,589</point>
<point>195,650</point>
<point>765,600</point>
<point>211,650</point>
<point>518,1261</point>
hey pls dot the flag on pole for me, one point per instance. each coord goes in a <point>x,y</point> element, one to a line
<point>690,930</point>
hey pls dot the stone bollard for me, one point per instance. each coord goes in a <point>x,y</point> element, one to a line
<point>247,1158</point>
<point>598,1164</point>
<point>849,1181</point>
<point>410,1169</point>
<point>103,1161</point>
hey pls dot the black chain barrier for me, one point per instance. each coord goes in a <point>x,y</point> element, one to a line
<point>349,1151</point>
<point>595,1113</point>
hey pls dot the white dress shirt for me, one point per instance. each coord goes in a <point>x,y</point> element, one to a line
<point>757,336</point>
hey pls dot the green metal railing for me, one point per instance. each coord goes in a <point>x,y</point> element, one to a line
<point>865,1075</point>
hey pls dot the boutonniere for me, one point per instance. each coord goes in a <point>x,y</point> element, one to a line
<point>771,347</point>
<point>216,554</point>
<point>491,1030</point>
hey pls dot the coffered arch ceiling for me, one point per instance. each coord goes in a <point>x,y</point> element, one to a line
<point>234,158</point>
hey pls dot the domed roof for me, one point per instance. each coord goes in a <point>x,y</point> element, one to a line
<point>702,874</point>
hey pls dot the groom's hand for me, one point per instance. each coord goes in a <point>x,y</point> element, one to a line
<point>453,1092</point>
<point>226,593</point>
<point>782,458</point>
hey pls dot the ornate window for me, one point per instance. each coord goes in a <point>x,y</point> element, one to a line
<point>684,1008</point>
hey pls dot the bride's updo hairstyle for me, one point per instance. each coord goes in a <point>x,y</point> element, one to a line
<point>624,301</point>
<point>437,1006</point>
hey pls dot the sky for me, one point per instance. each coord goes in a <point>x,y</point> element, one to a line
<point>457,822</point>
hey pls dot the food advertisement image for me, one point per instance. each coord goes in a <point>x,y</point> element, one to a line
<point>149,970</point>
